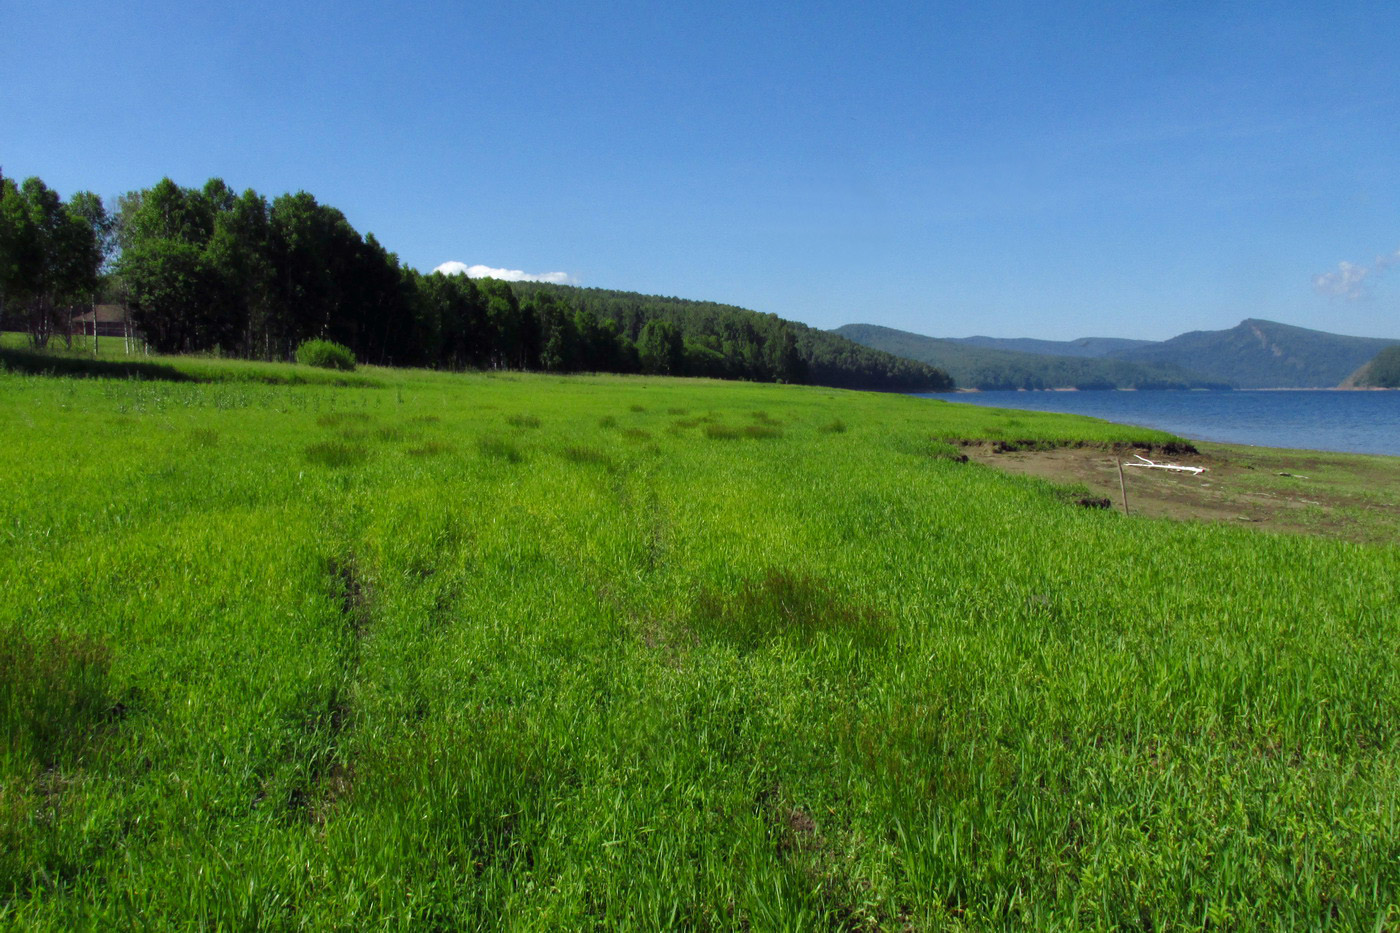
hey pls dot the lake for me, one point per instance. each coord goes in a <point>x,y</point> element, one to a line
<point>1352,422</point>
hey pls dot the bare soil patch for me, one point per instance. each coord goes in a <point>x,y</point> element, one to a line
<point>1303,491</point>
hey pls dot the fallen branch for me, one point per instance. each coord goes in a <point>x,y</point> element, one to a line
<point>1149,464</point>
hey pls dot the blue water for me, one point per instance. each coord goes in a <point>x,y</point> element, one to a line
<point>1353,422</point>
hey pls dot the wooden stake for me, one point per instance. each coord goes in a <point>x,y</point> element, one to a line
<point>1122,486</point>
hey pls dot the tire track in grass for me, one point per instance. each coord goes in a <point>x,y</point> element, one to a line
<point>322,770</point>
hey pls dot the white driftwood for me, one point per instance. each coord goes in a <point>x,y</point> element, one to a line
<point>1148,464</point>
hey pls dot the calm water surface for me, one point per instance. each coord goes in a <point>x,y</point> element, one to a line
<point>1353,422</point>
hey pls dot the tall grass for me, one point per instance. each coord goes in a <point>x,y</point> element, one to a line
<point>601,670</point>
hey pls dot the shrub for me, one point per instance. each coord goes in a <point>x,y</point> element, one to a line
<point>327,354</point>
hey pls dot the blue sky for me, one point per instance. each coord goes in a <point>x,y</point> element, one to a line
<point>1013,169</point>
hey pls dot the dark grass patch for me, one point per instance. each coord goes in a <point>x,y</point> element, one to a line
<point>607,421</point>
<point>340,419</point>
<point>429,449</point>
<point>39,363</point>
<point>585,455</point>
<point>422,419</point>
<point>337,454</point>
<point>762,431</point>
<point>678,411</point>
<point>762,417</point>
<point>637,408</point>
<point>523,421</point>
<point>783,606</point>
<point>683,423</point>
<point>61,364</point>
<point>496,448</point>
<point>834,426</point>
<point>56,694</point>
<point>636,434</point>
<point>722,432</point>
<point>204,437</point>
<point>388,433</point>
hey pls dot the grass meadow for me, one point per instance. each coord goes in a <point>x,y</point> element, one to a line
<point>505,651</point>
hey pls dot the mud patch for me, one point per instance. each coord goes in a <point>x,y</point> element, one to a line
<point>1310,492</point>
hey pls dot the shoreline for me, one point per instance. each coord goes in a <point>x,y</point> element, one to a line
<point>975,391</point>
<point>1264,419</point>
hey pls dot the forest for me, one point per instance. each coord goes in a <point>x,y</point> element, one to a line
<point>210,270</point>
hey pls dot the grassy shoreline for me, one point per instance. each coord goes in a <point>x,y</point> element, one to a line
<point>507,650</point>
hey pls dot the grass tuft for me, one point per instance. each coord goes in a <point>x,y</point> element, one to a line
<point>585,455</point>
<point>337,454</point>
<point>428,449</point>
<point>496,448</point>
<point>722,432</point>
<point>785,606</point>
<point>341,419</point>
<point>55,694</point>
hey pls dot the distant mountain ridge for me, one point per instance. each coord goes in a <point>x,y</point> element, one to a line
<point>986,367</point>
<point>1254,354</point>
<point>1091,347</point>
<point>1258,354</point>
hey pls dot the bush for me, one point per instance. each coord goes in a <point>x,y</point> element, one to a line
<point>326,354</point>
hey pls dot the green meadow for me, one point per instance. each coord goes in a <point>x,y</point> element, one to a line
<point>508,651</point>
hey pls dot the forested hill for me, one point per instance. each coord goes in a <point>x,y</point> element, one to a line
<point>206,269</point>
<point>1258,354</point>
<point>1383,372</point>
<point>730,342</point>
<point>978,367</point>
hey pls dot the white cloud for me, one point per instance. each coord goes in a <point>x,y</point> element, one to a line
<point>505,275</point>
<point>1349,280</point>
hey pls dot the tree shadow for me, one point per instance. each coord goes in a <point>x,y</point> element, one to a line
<point>44,364</point>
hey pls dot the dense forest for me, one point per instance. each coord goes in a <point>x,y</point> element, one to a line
<point>210,269</point>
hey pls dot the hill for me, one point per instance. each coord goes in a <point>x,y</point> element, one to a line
<point>1382,372</point>
<point>1257,354</point>
<point>728,342</point>
<point>982,367</point>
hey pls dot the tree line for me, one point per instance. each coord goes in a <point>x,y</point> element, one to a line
<point>211,269</point>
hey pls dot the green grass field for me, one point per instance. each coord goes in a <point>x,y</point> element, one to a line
<point>510,651</point>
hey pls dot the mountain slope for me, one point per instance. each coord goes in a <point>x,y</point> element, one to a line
<point>1092,347</point>
<point>1382,372</point>
<point>1257,354</point>
<point>977,367</point>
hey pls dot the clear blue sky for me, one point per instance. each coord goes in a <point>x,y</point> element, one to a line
<point>1015,169</point>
